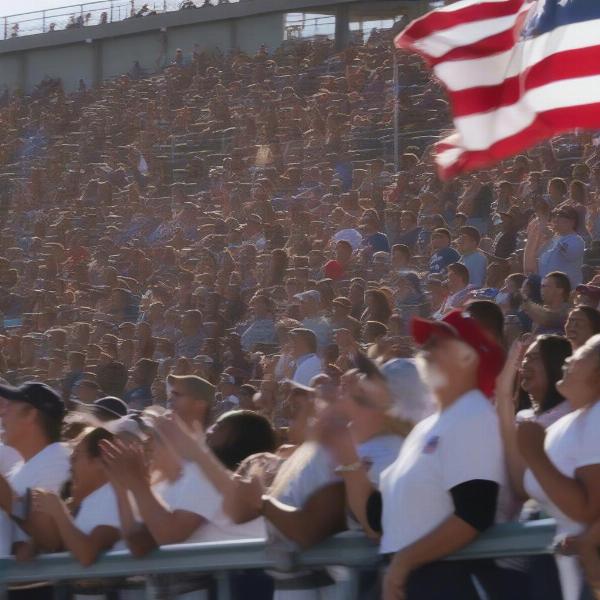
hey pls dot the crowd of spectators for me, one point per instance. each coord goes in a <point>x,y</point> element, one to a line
<point>220,270</point>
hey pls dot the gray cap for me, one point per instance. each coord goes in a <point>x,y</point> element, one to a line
<point>411,398</point>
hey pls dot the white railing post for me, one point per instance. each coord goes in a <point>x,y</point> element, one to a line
<point>43,21</point>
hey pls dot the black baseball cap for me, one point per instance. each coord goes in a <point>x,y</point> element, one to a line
<point>108,408</point>
<point>39,395</point>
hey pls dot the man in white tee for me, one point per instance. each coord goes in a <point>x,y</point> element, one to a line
<point>443,489</point>
<point>304,352</point>
<point>32,417</point>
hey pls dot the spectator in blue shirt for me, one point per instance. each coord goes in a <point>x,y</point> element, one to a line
<point>443,254</point>
<point>261,329</point>
<point>191,341</point>
<point>471,256</point>
<point>374,239</point>
<point>565,252</point>
<point>410,229</point>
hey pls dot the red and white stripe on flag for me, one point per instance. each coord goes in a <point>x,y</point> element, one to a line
<point>509,90</point>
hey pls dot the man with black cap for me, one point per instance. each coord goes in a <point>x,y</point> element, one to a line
<point>32,418</point>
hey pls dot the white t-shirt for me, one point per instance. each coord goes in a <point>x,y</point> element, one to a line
<point>49,470</point>
<point>223,528</point>
<point>456,445</point>
<point>9,459</point>
<point>314,471</point>
<point>571,443</point>
<point>100,508</point>
<point>193,493</point>
<point>378,454</point>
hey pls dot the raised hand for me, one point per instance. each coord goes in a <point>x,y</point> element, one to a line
<point>44,502</point>
<point>530,438</point>
<point>184,441</point>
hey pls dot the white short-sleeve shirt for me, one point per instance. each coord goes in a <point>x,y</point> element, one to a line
<point>99,509</point>
<point>571,443</point>
<point>49,469</point>
<point>378,453</point>
<point>192,492</point>
<point>453,446</point>
<point>9,459</point>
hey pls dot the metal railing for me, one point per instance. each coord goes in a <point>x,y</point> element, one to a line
<point>75,16</point>
<point>351,550</point>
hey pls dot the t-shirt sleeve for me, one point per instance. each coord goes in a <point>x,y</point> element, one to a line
<point>49,475</point>
<point>196,494</point>
<point>106,515</point>
<point>589,445</point>
<point>472,449</point>
<point>54,475</point>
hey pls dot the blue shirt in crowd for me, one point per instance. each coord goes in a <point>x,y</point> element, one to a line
<point>476,264</point>
<point>441,259</point>
<point>564,254</point>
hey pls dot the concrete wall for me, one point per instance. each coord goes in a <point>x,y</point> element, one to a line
<point>119,53</point>
<point>11,69</point>
<point>70,63</point>
<point>103,51</point>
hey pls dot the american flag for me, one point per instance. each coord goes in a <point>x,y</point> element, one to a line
<point>516,72</point>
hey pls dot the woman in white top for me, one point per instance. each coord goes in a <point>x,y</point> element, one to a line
<point>564,461</point>
<point>89,524</point>
<point>181,504</point>
<point>305,503</point>
<point>537,368</point>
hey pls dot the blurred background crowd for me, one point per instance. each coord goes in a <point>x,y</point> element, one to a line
<point>225,241</point>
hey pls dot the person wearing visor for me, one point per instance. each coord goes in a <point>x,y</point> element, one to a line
<point>442,490</point>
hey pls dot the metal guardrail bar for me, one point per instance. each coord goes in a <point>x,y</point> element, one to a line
<point>347,549</point>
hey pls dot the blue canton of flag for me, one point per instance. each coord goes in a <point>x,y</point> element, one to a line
<point>516,71</point>
<point>547,15</point>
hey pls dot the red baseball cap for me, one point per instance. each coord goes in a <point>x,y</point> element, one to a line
<point>461,326</point>
<point>334,270</point>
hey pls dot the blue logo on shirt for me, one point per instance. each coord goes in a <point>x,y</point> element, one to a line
<point>431,445</point>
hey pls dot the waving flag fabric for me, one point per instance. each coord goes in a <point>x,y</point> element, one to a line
<point>516,72</point>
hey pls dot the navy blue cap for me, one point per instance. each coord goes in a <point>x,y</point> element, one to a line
<point>39,395</point>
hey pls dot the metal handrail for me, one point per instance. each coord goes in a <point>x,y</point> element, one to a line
<point>349,549</point>
<point>115,9</point>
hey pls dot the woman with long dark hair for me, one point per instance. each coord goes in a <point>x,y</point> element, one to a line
<point>563,462</point>
<point>537,368</point>
<point>378,307</point>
